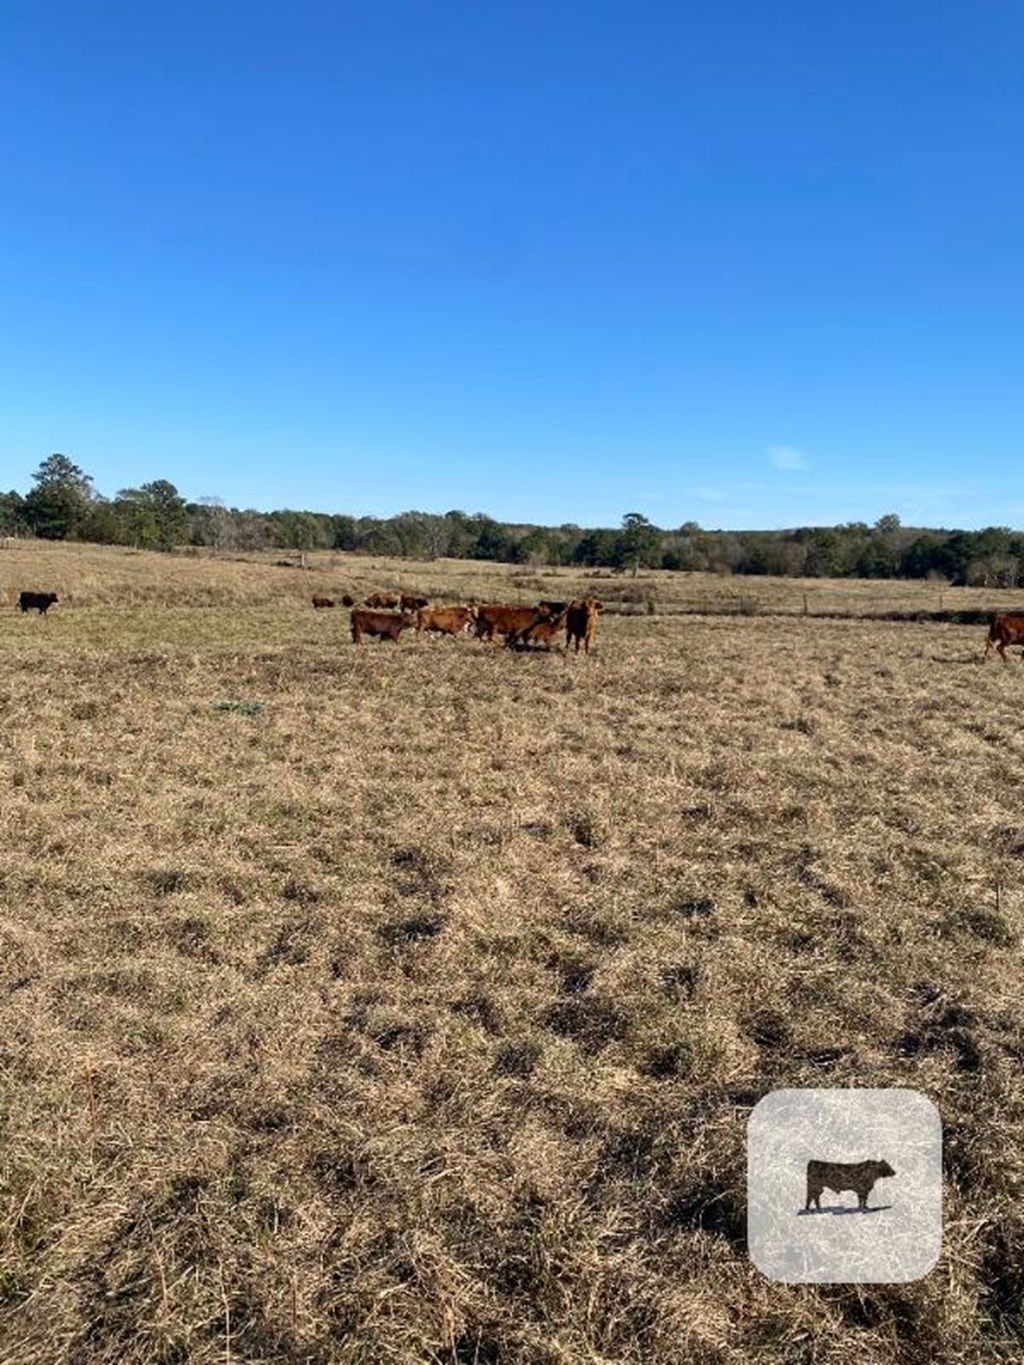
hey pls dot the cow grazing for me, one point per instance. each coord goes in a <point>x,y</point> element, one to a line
<point>581,623</point>
<point>445,620</point>
<point>323,601</point>
<point>384,599</point>
<point>1006,629</point>
<point>409,603</point>
<point>493,619</point>
<point>838,1176</point>
<point>348,600</point>
<point>41,601</point>
<point>388,625</point>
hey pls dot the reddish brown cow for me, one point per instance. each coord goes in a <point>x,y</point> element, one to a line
<point>384,599</point>
<point>541,631</point>
<point>387,624</point>
<point>323,601</point>
<point>445,620</point>
<point>1006,629</point>
<point>581,623</point>
<point>493,619</point>
<point>409,603</point>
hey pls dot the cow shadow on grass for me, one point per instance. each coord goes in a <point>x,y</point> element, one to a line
<point>965,659</point>
<point>837,1209</point>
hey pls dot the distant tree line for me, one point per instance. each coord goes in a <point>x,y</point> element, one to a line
<point>63,504</point>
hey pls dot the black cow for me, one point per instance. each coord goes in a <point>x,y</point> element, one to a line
<point>858,1176</point>
<point>42,601</point>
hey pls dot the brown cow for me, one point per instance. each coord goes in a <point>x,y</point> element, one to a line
<point>323,601</point>
<point>494,619</point>
<point>541,631</point>
<point>348,600</point>
<point>387,624</point>
<point>581,622</point>
<point>1006,629</point>
<point>384,599</point>
<point>445,620</point>
<point>409,603</point>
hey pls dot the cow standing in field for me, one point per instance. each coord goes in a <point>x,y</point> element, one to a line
<point>581,623</point>
<point>493,619</point>
<point>1006,629</point>
<point>444,620</point>
<point>388,625</point>
<point>384,599</point>
<point>39,601</point>
<point>409,603</point>
<point>323,602</point>
<point>541,630</point>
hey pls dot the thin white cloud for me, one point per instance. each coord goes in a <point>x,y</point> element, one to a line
<point>787,457</point>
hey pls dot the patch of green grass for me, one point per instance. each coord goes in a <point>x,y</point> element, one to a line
<point>244,708</point>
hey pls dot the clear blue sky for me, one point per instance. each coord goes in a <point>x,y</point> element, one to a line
<point>749,264</point>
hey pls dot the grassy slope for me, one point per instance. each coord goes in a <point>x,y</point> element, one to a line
<point>95,576</point>
<point>418,1017</point>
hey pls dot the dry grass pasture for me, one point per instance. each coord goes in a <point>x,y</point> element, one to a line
<point>406,1003</point>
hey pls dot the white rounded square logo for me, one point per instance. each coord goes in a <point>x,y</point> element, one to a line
<point>844,1186</point>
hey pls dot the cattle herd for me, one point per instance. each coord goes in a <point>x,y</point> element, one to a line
<point>386,615</point>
